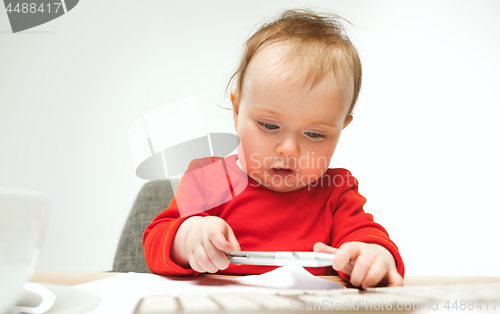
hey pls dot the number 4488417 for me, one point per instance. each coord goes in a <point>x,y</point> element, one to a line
<point>470,305</point>
<point>33,8</point>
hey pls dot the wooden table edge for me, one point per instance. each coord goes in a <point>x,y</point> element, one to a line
<point>72,278</point>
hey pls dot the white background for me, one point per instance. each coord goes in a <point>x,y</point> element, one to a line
<point>423,143</point>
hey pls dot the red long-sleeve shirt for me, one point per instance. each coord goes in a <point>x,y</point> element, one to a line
<point>329,210</point>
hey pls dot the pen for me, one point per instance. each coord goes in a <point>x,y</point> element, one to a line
<point>305,259</point>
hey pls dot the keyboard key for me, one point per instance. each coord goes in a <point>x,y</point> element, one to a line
<point>349,291</point>
<point>318,298</point>
<point>290,292</point>
<point>158,304</point>
<point>324,292</point>
<point>234,302</point>
<point>197,303</point>
<point>269,301</point>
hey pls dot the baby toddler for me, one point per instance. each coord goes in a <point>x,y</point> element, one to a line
<point>297,84</point>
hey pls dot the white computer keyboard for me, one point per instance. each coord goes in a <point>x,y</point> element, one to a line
<point>477,297</point>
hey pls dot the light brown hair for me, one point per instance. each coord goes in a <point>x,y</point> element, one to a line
<point>318,47</point>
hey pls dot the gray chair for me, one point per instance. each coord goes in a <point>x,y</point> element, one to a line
<point>153,198</point>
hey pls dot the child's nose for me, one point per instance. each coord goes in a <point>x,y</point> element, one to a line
<point>288,147</point>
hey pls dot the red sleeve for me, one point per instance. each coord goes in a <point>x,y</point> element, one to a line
<point>157,240</point>
<point>189,200</point>
<point>351,223</point>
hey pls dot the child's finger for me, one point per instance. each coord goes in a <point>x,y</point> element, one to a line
<point>345,254</point>
<point>219,239</point>
<point>194,263</point>
<point>347,269</point>
<point>377,271</point>
<point>321,247</point>
<point>361,267</point>
<point>216,257</point>
<point>214,247</point>
<point>204,261</point>
<point>394,279</point>
<point>235,246</point>
<point>195,266</point>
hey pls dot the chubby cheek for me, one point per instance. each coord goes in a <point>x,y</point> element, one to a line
<point>318,159</point>
<point>254,157</point>
<point>248,149</point>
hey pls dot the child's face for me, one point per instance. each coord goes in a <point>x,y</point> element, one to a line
<point>282,125</point>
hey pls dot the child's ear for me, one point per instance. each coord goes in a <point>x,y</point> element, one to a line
<point>235,99</point>
<point>348,120</point>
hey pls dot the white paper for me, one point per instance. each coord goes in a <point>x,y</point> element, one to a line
<point>120,294</point>
<point>289,277</point>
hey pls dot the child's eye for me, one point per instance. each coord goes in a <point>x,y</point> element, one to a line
<point>314,135</point>
<point>269,126</point>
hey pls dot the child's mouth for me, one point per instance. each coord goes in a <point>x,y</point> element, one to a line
<point>282,172</point>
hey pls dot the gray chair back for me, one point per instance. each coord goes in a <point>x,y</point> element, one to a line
<point>153,198</point>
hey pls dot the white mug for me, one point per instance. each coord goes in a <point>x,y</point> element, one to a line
<point>23,217</point>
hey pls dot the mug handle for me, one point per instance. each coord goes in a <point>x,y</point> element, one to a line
<point>48,299</point>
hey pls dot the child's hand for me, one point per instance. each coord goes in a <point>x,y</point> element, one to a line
<point>368,264</point>
<point>200,242</point>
